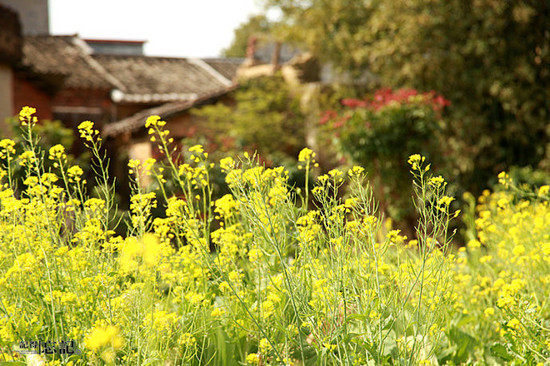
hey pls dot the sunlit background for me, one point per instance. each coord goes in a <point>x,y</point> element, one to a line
<point>180,28</point>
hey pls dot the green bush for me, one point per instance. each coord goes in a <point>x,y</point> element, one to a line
<point>381,132</point>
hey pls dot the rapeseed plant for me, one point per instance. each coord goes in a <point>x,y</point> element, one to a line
<point>266,274</point>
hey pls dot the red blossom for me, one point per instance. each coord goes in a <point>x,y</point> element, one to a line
<point>439,102</point>
<point>384,97</point>
<point>327,116</point>
<point>354,103</point>
<point>338,124</point>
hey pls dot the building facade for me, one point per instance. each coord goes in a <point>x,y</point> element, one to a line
<point>33,15</point>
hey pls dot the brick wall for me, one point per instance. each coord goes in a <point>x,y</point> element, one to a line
<point>26,93</point>
<point>82,104</point>
<point>83,97</point>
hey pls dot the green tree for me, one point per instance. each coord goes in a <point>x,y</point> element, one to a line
<point>265,117</point>
<point>381,132</point>
<point>257,25</point>
<point>333,30</point>
<point>491,58</point>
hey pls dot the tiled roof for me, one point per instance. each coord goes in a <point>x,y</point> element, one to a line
<point>131,78</point>
<point>68,56</point>
<point>225,66</point>
<point>137,121</point>
<point>161,79</point>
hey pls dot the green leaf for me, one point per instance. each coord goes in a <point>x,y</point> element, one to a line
<point>464,343</point>
<point>499,351</point>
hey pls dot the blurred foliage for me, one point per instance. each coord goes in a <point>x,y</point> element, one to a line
<point>264,120</point>
<point>489,57</point>
<point>381,132</point>
<point>256,26</point>
<point>49,133</point>
<point>265,117</point>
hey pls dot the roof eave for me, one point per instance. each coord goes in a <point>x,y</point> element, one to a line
<point>137,121</point>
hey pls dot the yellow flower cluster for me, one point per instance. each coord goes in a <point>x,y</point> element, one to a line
<point>101,337</point>
<point>506,267</point>
<point>26,116</point>
<point>7,148</point>
<point>156,126</point>
<point>252,277</point>
<point>87,131</point>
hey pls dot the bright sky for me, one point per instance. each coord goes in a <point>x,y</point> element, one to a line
<point>183,28</point>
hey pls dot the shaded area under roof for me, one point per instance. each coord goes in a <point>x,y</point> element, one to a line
<point>137,121</point>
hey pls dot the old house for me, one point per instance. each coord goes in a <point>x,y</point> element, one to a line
<point>20,84</point>
<point>119,91</point>
<point>10,54</point>
<point>168,87</point>
<point>84,87</point>
<point>110,82</point>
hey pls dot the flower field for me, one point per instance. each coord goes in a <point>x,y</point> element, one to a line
<point>269,274</point>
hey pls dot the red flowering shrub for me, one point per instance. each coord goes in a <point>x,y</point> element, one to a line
<point>380,132</point>
<point>384,97</point>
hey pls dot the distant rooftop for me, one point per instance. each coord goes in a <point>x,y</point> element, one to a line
<point>136,78</point>
<point>65,56</point>
<point>161,79</point>
<point>225,66</point>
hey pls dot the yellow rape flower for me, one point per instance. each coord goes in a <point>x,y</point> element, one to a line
<point>188,340</point>
<point>264,345</point>
<point>437,182</point>
<point>87,131</point>
<point>26,116</point>
<point>445,200</point>
<point>74,173</point>
<point>504,179</point>
<point>253,358</point>
<point>101,337</point>
<point>305,155</point>
<point>57,152</point>
<point>355,171</point>
<point>217,312</point>
<point>543,190</point>
<point>151,121</point>
<point>27,158</point>
<point>226,206</point>
<point>514,324</point>
<point>7,147</point>
<point>197,149</point>
<point>415,161</point>
<point>227,164</point>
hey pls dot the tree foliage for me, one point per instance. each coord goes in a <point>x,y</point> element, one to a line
<point>491,58</point>
<point>256,25</point>
<point>265,117</point>
<point>381,132</point>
